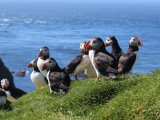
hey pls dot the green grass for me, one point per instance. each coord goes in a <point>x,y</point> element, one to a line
<point>130,97</point>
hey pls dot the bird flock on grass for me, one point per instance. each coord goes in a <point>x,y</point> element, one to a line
<point>94,61</point>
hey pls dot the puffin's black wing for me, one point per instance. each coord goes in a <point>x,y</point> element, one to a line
<point>17,93</point>
<point>103,62</point>
<point>116,49</point>
<point>73,64</point>
<point>117,55</point>
<point>59,80</point>
<point>2,93</point>
<point>126,62</point>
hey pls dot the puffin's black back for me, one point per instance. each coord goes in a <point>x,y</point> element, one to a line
<point>61,74</point>
<point>116,49</point>
<point>127,60</point>
<point>57,77</point>
<point>110,57</point>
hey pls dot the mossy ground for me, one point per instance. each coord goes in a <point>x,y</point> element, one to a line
<point>130,97</point>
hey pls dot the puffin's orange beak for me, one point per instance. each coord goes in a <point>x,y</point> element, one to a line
<point>30,65</point>
<point>40,54</point>
<point>140,43</point>
<point>44,67</point>
<point>87,47</point>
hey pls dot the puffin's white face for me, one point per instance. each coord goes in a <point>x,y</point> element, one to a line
<point>44,51</point>
<point>135,41</point>
<point>109,41</point>
<point>49,64</point>
<point>4,83</point>
<point>33,63</point>
<point>95,44</point>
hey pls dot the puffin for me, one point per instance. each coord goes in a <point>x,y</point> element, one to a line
<point>58,80</point>
<point>3,97</point>
<point>5,73</point>
<point>129,59</point>
<point>103,62</point>
<point>116,49</point>
<point>81,63</point>
<point>36,76</point>
<point>43,55</point>
<point>12,92</point>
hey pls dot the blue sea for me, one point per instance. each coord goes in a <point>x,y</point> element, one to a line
<point>25,27</point>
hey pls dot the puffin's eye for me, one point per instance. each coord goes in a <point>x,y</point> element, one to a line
<point>94,42</point>
<point>45,50</point>
<point>49,61</point>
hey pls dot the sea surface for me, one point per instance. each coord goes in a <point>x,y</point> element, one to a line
<point>25,27</point>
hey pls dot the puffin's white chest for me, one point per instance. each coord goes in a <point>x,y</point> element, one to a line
<point>90,71</point>
<point>48,75</point>
<point>49,84</point>
<point>136,61</point>
<point>91,56</point>
<point>40,62</point>
<point>83,65</point>
<point>38,79</point>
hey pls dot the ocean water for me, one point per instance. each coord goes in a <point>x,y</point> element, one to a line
<point>24,28</point>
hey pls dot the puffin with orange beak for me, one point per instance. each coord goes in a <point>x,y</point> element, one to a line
<point>58,79</point>
<point>103,62</point>
<point>81,63</point>
<point>36,77</point>
<point>129,59</point>
<point>43,55</point>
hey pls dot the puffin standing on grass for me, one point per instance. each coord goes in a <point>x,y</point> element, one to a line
<point>116,49</point>
<point>129,59</point>
<point>103,62</point>
<point>36,76</point>
<point>43,55</point>
<point>58,79</point>
<point>81,63</point>
<point>12,92</point>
